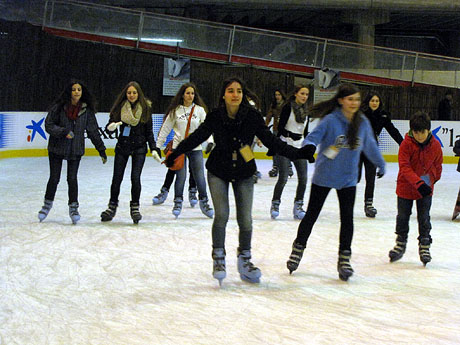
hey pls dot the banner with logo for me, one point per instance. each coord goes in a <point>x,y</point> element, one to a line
<point>23,134</point>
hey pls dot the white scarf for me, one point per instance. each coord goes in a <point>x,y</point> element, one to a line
<point>127,115</point>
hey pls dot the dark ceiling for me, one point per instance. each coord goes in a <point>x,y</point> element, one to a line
<point>428,28</point>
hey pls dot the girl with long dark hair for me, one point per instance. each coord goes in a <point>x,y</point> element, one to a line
<point>342,134</point>
<point>71,114</point>
<point>131,113</point>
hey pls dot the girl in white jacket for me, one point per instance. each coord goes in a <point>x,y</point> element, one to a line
<point>186,102</point>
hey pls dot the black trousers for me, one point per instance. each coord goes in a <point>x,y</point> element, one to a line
<point>318,196</point>
<point>55,162</point>
<point>169,179</point>
<point>119,166</point>
<point>370,172</point>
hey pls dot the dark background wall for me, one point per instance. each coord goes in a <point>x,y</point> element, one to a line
<point>36,66</point>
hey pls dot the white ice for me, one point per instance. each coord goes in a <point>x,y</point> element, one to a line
<point>117,283</point>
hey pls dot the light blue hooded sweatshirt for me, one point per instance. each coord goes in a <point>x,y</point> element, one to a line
<point>342,171</point>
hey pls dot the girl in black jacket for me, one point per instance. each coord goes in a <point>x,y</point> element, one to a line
<point>372,107</point>
<point>234,124</point>
<point>132,115</point>
<point>69,117</point>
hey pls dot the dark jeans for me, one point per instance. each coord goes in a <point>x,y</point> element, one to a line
<point>370,173</point>
<point>423,217</point>
<point>119,167</point>
<point>55,175</point>
<point>170,178</point>
<point>301,168</point>
<point>243,191</point>
<point>318,196</point>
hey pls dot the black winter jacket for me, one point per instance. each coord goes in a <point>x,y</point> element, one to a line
<point>58,125</point>
<point>139,135</point>
<point>381,119</point>
<point>225,160</point>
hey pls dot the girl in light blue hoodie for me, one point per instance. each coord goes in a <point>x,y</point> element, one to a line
<point>343,133</point>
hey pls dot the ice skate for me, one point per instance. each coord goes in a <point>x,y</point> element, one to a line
<point>177,209</point>
<point>295,257</point>
<point>43,213</point>
<point>218,270</point>
<point>275,209</point>
<point>205,208</point>
<point>369,210</point>
<point>248,272</point>
<point>161,197</point>
<point>192,197</point>
<point>134,211</point>
<point>424,250</point>
<point>73,212</point>
<point>290,172</point>
<point>399,249</point>
<point>273,172</point>
<point>107,215</point>
<point>343,265</point>
<point>298,212</point>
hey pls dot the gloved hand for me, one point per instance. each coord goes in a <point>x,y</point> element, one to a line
<point>103,156</point>
<point>156,153</point>
<point>209,147</point>
<point>113,126</point>
<point>307,152</point>
<point>424,189</point>
<point>70,135</point>
<point>169,161</point>
<point>380,172</point>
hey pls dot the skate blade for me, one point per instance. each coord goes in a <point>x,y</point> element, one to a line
<point>249,280</point>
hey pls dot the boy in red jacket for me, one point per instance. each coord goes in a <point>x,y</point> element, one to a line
<point>420,167</point>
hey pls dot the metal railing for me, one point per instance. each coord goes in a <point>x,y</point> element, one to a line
<point>231,40</point>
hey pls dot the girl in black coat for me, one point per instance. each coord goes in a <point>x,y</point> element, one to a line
<point>69,117</point>
<point>372,107</point>
<point>234,124</point>
<point>132,115</point>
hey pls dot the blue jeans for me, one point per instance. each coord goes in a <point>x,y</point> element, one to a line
<point>243,191</point>
<point>195,159</point>
<point>300,167</point>
<point>423,217</point>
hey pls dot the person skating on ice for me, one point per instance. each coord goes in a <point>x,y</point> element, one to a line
<point>186,103</point>
<point>342,134</point>
<point>420,167</point>
<point>131,114</point>
<point>372,107</point>
<point>234,124</point>
<point>71,114</point>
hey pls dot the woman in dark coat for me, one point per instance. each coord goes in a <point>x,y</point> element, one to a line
<point>132,115</point>
<point>372,107</point>
<point>69,117</point>
<point>234,124</point>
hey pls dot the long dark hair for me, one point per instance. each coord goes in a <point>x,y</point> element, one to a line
<point>179,99</point>
<point>66,96</point>
<point>226,83</point>
<point>283,96</point>
<point>121,99</point>
<point>297,88</point>
<point>326,107</point>
<point>367,99</point>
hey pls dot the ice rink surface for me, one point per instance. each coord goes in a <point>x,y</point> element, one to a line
<point>117,283</point>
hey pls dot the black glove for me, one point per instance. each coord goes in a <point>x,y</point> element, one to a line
<point>307,152</point>
<point>157,150</point>
<point>169,161</point>
<point>103,156</point>
<point>424,189</point>
<point>380,172</point>
<point>209,147</point>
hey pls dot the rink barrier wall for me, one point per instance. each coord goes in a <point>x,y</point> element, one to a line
<point>22,134</point>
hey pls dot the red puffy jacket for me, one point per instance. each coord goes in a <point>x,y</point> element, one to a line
<point>416,160</point>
